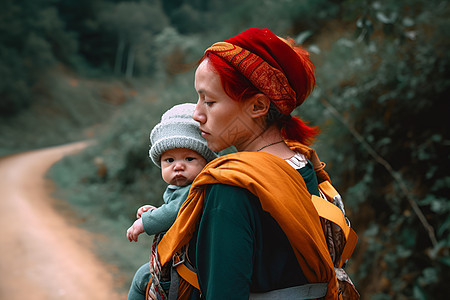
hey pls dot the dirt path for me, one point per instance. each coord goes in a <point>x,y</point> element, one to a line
<point>42,256</point>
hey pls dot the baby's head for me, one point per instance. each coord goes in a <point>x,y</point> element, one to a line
<point>178,147</point>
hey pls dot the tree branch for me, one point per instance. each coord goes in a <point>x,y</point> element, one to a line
<point>396,175</point>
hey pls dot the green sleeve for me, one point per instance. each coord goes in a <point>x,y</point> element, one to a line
<point>160,219</point>
<point>225,268</point>
<point>240,248</point>
<point>310,178</point>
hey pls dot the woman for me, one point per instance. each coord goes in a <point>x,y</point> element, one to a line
<point>248,223</point>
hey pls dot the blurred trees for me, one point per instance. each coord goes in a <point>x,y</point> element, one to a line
<point>32,39</point>
<point>134,34</point>
<point>390,143</point>
<point>383,80</point>
<point>118,37</point>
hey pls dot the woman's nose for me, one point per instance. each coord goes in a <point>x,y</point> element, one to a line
<point>198,115</point>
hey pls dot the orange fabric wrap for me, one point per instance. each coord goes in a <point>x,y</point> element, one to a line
<point>282,192</point>
<point>269,80</point>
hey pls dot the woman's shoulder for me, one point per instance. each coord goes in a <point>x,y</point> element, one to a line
<point>248,162</point>
<point>233,202</point>
<point>226,190</point>
<point>224,195</point>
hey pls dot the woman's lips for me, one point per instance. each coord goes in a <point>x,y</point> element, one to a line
<point>204,133</point>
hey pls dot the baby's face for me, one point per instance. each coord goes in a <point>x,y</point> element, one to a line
<point>180,166</point>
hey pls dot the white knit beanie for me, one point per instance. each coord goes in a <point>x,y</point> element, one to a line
<point>178,129</point>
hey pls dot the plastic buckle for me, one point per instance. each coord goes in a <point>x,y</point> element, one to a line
<point>176,260</point>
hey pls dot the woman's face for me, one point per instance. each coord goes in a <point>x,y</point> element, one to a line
<point>223,121</point>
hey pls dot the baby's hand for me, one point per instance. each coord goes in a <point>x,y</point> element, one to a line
<point>135,230</point>
<point>143,209</point>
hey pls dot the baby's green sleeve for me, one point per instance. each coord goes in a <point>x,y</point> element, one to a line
<point>160,219</point>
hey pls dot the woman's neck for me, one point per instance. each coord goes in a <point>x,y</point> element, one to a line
<point>270,141</point>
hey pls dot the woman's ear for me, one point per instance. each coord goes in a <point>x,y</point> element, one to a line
<point>259,105</point>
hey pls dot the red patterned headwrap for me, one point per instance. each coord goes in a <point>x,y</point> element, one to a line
<point>271,65</point>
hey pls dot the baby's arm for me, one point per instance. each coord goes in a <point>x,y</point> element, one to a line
<point>156,220</point>
<point>153,220</point>
<point>143,209</point>
<point>160,219</point>
<point>137,228</point>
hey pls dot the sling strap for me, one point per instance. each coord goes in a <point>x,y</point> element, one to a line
<point>181,265</point>
<point>329,211</point>
<point>325,209</point>
<point>306,291</point>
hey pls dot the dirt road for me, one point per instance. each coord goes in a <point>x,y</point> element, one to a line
<point>42,256</point>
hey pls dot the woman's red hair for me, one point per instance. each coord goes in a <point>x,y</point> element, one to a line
<point>239,88</point>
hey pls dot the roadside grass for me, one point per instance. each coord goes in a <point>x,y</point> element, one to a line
<point>64,109</point>
<point>108,181</point>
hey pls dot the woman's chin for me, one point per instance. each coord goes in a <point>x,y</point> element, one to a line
<point>213,147</point>
<point>216,148</point>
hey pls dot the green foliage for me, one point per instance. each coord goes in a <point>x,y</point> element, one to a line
<point>380,101</point>
<point>117,166</point>
<point>67,108</point>
<point>392,91</point>
<point>114,176</point>
<point>114,179</point>
<point>32,39</point>
<point>134,34</point>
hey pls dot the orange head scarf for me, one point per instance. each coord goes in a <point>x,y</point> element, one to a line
<point>271,64</point>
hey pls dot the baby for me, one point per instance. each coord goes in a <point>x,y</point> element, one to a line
<point>181,152</point>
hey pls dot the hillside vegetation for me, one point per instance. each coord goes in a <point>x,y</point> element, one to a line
<point>106,70</point>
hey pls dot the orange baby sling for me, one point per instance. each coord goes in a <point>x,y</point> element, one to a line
<point>310,222</point>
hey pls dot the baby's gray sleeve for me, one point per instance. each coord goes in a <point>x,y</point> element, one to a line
<point>160,219</point>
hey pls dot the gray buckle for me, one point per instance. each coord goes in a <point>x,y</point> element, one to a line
<point>182,260</point>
